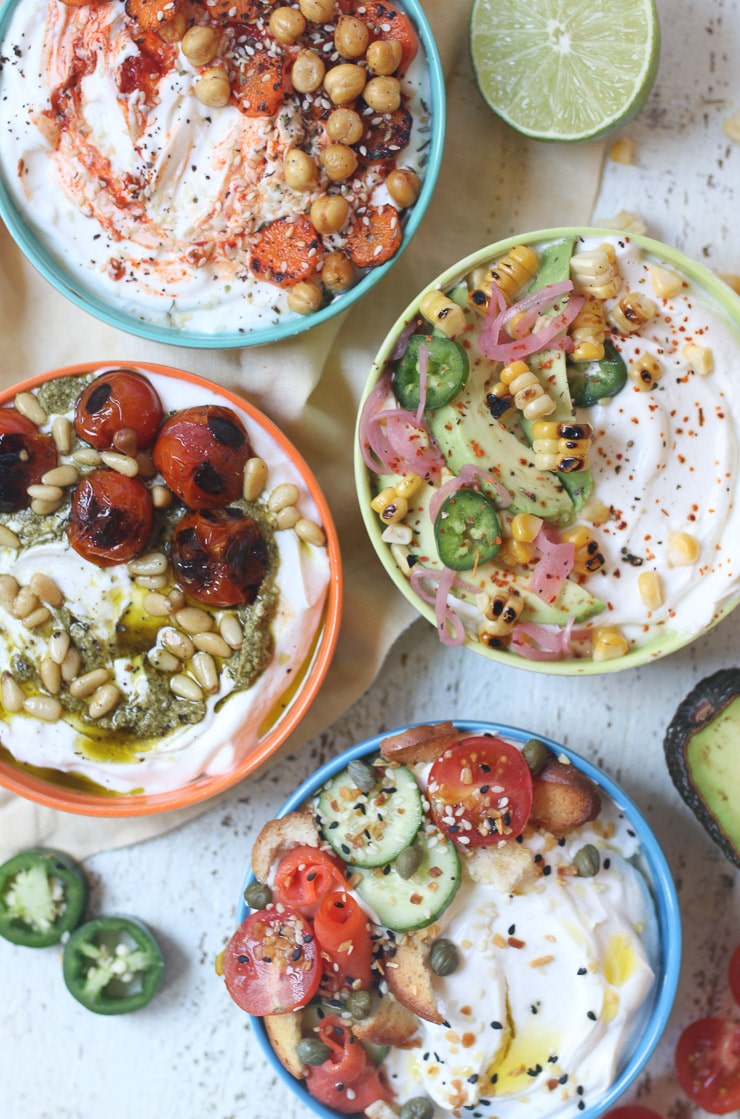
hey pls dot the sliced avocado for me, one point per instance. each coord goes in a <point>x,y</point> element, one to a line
<point>554,264</point>
<point>702,751</point>
<point>550,365</point>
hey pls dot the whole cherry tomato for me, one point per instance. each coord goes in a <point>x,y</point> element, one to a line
<point>25,456</point>
<point>219,557</point>
<point>708,1064</point>
<point>115,401</point>
<point>111,517</point>
<point>272,962</point>
<point>200,452</point>
<point>733,974</point>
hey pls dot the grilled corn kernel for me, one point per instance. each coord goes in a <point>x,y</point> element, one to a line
<point>443,313</point>
<point>623,151</point>
<point>596,512</point>
<point>500,615</point>
<point>645,371</point>
<point>632,312</point>
<point>588,331</point>
<point>588,557</point>
<point>529,395</point>
<point>650,586</point>
<point>389,506</point>
<point>608,644</point>
<point>595,272</point>
<point>664,282</point>
<point>515,270</point>
<point>408,485</point>
<point>516,552</point>
<point>525,527</point>
<point>700,358</point>
<point>683,549</point>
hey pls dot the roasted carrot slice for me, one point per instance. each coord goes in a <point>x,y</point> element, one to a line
<point>152,15</point>
<point>375,236</point>
<point>259,84</point>
<point>235,11</point>
<point>387,22</point>
<point>286,251</point>
<point>386,134</point>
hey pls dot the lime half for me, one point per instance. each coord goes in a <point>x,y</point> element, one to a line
<point>564,69</point>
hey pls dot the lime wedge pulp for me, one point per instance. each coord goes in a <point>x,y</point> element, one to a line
<point>564,69</point>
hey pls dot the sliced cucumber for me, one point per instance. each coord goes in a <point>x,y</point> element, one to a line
<point>404,904</point>
<point>369,829</point>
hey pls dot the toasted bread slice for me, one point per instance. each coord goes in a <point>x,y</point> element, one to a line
<point>507,867</point>
<point>389,1023</point>
<point>279,836</point>
<point>409,976</point>
<point>563,798</point>
<point>419,744</point>
<point>284,1033</point>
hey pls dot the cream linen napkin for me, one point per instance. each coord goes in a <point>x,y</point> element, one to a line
<point>493,183</point>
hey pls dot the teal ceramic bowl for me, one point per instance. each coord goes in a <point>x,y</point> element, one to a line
<point>75,282</point>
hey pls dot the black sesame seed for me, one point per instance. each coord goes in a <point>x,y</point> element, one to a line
<point>591,1015</point>
<point>563,1079</point>
<point>496,1026</point>
<point>606,864</point>
<point>582,971</point>
<point>512,930</point>
<point>473,1079</point>
<point>546,870</point>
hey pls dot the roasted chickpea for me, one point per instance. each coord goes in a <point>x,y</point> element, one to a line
<point>404,187</point>
<point>344,126</point>
<point>213,88</point>
<point>383,94</point>
<point>305,297</point>
<point>173,30</point>
<point>338,272</point>
<point>345,82</point>
<point>200,45</point>
<point>339,162</point>
<point>384,56</point>
<point>318,11</point>
<point>351,37</point>
<point>329,213</point>
<point>287,25</point>
<point>308,71</point>
<point>299,169</point>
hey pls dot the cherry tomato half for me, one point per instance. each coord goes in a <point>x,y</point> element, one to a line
<point>632,1111</point>
<point>200,452</point>
<point>219,557</point>
<point>110,518</point>
<point>114,401</point>
<point>480,791</point>
<point>708,1064</point>
<point>25,456</point>
<point>733,974</point>
<point>272,962</point>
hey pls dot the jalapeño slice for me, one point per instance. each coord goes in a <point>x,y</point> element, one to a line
<point>467,530</point>
<point>447,372</point>
<point>112,965</point>
<point>43,894</point>
<point>598,379</point>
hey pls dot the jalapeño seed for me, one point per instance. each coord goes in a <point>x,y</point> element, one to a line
<point>535,755</point>
<point>257,895</point>
<point>418,1107</point>
<point>312,1051</point>
<point>363,775</point>
<point>408,861</point>
<point>443,957</point>
<point>587,861</point>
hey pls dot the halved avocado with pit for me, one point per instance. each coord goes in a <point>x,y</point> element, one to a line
<point>702,750</point>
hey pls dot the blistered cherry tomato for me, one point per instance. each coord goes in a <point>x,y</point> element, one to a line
<point>200,452</point>
<point>25,456</point>
<point>272,962</point>
<point>632,1111</point>
<point>480,791</point>
<point>708,1064</point>
<point>111,517</point>
<point>114,401</point>
<point>219,557</point>
<point>733,974</point>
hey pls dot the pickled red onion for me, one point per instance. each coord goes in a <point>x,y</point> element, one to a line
<point>532,305</point>
<point>469,475</point>
<point>444,614</point>
<point>391,440</point>
<point>554,567</point>
<point>539,642</point>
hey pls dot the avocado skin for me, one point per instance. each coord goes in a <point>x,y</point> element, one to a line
<point>697,712</point>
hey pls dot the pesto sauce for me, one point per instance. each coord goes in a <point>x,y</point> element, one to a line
<point>58,396</point>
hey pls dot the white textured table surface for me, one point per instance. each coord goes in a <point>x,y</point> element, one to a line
<point>191,1055</point>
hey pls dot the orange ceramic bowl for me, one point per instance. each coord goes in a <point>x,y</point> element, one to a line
<point>94,767</point>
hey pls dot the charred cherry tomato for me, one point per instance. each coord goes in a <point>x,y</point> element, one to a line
<point>480,791</point>
<point>304,876</point>
<point>25,456</point>
<point>272,962</point>
<point>219,557</point>
<point>708,1064</point>
<point>200,452</point>
<point>111,518</point>
<point>632,1111</point>
<point>116,400</point>
<point>43,894</point>
<point>733,974</point>
<point>112,965</point>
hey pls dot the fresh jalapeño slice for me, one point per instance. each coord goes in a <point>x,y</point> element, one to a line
<point>43,894</point>
<point>467,530</point>
<point>447,370</point>
<point>112,965</point>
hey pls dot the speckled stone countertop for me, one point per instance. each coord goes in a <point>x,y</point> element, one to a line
<point>191,1053</point>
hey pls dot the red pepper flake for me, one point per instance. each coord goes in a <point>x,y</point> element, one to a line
<point>515,942</point>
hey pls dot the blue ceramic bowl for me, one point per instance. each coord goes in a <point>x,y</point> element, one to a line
<point>53,269</point>
<point>654,1014</point>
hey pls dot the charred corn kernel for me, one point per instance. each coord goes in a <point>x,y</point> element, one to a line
<point>478,300</point>
<point>408,485</point>
<point>588,557</point>
<point>683,549</point>
<point>623,151</point>
<point>511,326</point>
<point>632,312</point>
<point>511,373</point>
<point>700,358</point>
<point>596,512</point>
<point>525,527</point>
<point>500,614</point>
<point>628,222</point>
<point>389,506</point>
<point>529,396</point>
<point>443,313</point>
<point>664,282</point>
<point>516,552</point>
<point>515,271</point>
<point>595,272</point>
<point>561,446</point>
<point>608,643</point>
<point>397,534</point>
<point>588,331</point>
<point>650,586</point>
<point>645,371</point>
<point>499,400</point>
<point>402,556</point>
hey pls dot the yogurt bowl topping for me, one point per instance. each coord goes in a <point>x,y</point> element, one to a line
<point>167,584</point>
<point>456,917</point>
<point>547,455</point>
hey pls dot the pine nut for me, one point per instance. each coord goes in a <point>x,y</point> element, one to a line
<point>122,464</point>
<point>177,598</point>
<point>255,478</point>
<point>25,603</point>
<point>149,563</point>
<point>157,605</point>
<point>44,508</point>
<point>282,496</point>
<point>88,456</point>
<point>104,700</point>
<point>46,493</point>
<point>177,643</point>
<point>59,644</point>
<point>194,620</point>
<point>45,589</point>
<point>152,582</point>
<point>61,433</point>
<point>88,683</point>
<point>27,404</point>
<point>163,659</point>
<point>67,475</point>
<point>70,666</point>
<point>44,707</point>
<point>161,497</point>
<point>126,441</point>
<point>8,538</point>
<point>37,618</point>
<point>11,693</point>
<point>310,532</point>
<point>205,671</point>
<point>287,517</point>
<point>186,688</point>
<point>8,591</point>
<point>212,643</point>
<point>51,675</point>
<point>231,631</point>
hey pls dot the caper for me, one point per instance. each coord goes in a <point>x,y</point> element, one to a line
<point>587,861</point>
<point>359,1003</point>
<point>408,861</point>
<point>419,1107</point>
<point>258,895</point>
<point>443,957</point>
<point>363,775</point>
<point>535,755</point>
<point>312,1051</point>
